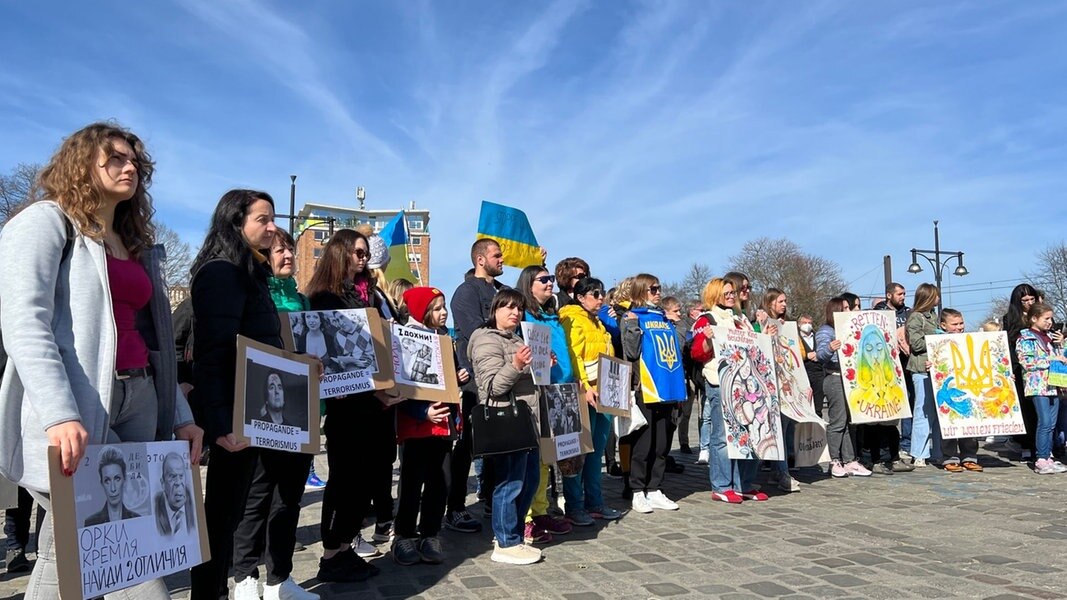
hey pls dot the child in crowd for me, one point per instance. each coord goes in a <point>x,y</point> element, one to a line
<point>952,450</point>
<point>1037,348</point>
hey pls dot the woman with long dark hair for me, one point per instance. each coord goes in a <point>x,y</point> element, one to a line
<point>86,324</point>
<point>231,297</point>
<point>359,430</point>
<point>1023,296</point>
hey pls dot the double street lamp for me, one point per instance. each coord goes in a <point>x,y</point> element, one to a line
<point>934,257</point>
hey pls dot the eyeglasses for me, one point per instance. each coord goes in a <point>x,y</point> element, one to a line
<point>361,253</point>
<point>596,294</point>
<point>578,275</point>
<point>546,279</point>
<point>654,289</point>
<point>730,293</point>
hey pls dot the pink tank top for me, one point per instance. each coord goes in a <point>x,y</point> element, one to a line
<point>130,292</point>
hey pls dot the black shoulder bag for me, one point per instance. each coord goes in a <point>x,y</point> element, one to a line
<point>502,429</point>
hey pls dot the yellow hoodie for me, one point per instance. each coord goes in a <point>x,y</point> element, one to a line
<point>587,339</point>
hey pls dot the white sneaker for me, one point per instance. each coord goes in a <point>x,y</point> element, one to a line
<point>788,484</point>
<point>640,503</point>
<point>702,458</point>
<point>656,499</point>
<point>1058,466</point>
<point>363,548</point>
<point>522,554</point>
<point>247,589</point>
<point>287,590</point>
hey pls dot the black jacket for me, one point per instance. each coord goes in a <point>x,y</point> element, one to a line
<point>470,310</point>
<point>227,301</point>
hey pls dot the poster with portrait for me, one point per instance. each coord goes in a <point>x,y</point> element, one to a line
<point>351,344</point>
<point>424,365</point>
<point>276,398</point>
<point>614,378</point>
<point>749,394</point>
<point>795,397</point>
<point>539,338</point>
<point>974,389</point>
<point>870,366</point>
<point>132,512</point>
<point>565,429</point>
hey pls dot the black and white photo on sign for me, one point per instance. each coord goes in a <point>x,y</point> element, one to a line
<point>560,405</point>
<point>136,516</point>
<point>343,341</point>
<point>615,384</point>
<point>417,357</point>
<point>275,401</point>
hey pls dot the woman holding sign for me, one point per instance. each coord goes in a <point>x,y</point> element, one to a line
<point>587,339</point>
<point>86,323</point>
<point>231,296</point>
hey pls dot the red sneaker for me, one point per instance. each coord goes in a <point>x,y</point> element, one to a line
<point>536,535</point>
<point>553,525</point>
<point>754,495</point>
<point>729,496</point>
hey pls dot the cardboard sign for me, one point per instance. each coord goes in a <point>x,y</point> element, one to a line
<point>132,512</point>
<point>973,384</point>
<point>539,338</point>
<point>870,366</point>
<point>614,378</point>
<point>565,429</point>
<point>424,365</point>
<point>276,398</point>
<point>749,394</point>
<point>351,344</point>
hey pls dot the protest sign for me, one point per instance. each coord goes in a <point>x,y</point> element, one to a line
<point>539,338</point>
<point>565,430</point>
<point>614,378</point>
<point>870,366</point>
<point>749,394</point>
<point>424,365</point>
<point>351,343</point>
<point>276,398</point>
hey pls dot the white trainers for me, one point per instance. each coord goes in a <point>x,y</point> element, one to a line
<point>287,590</point>
<point>656,499</point>
<point>640,503</point>
<point>786,483</point>
<point>247,589</point>
<point>363,548</point>
<point>521,554</point>
<point>702,458</point>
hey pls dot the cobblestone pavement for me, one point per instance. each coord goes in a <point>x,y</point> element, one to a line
<point>928,534</point>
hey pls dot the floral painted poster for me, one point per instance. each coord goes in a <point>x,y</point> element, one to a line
<point>794,389</point>
<point>749,394</point>
<point>870,366</point>
<point>973,386</point>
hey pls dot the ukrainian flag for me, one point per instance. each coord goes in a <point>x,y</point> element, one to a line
<point>395,236</point>
<point>511,229</point>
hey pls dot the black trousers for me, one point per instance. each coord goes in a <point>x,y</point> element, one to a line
<point>460,463</point>
<point>878,437</point>
<point>360,449</point>
<point>17,522</point>
<point>685,412</point>
<point>423,486</point>
<point>955,450</point>
<point>650,446</point>
<point>271,515</point>
<point>1026,440</point>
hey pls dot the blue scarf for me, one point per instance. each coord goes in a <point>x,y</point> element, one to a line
<point>660,365</point>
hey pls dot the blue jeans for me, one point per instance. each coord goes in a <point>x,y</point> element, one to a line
<point>1059,436</point>
<point>584,491</point>
<point>704,426</point>
<point>925,432</point>
<point>517,475</point>
<point>725,473</point>
<point>1048,408</point>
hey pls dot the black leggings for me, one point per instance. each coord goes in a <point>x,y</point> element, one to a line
<point>650,446</point>
<point>423,486</point>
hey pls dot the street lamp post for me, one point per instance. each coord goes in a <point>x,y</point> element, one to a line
<point>292,203</point>
<point>937,264</point>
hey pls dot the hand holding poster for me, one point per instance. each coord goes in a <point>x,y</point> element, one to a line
<point>974,389</point>
<point>614,377</point>
<point>795,398</point>
<point>276,398</point>
<point>539,338</point>
<point>749,394</point>
<point>424,365</point>
<point>565,429</point>
<point>131,513</point>
<point>870,366</point>
<point>350,343</point>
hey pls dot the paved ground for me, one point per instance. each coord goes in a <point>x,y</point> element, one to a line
<point>928,534</point>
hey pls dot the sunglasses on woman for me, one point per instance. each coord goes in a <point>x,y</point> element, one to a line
<point>361,253</point>
<point>546,279</point>
<point>654,289</point>
<point>598,294</point>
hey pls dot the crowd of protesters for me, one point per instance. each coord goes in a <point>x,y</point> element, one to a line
<point>83,294</point>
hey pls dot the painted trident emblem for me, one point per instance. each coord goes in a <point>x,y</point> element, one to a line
<point>974,374</point>
<point>668,352</point>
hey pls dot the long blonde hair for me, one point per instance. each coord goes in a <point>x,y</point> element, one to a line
<point>70,180</point>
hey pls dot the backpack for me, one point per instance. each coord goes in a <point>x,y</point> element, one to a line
<point>67,248</point>
<point>697,374</point>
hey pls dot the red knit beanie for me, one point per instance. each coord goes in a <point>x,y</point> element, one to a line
<point>418,300</point>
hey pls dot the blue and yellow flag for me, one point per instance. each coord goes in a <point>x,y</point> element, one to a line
<point>511,229</point>
<point>660,365</point>
<point>395,236</point>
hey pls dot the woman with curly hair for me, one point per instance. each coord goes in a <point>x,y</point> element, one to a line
<point>87,323</point>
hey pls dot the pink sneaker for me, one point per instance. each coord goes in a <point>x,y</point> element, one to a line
<point>838,470</point>
<point>536,535</point>
<point>857,469</point>
<point>553,525</point>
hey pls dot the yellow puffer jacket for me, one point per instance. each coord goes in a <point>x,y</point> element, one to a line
<point>587,339</point>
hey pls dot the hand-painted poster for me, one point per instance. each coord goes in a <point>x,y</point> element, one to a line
<point>539,338</point>
<point>974,390</point>
<point>795,398</point>
<point>870,366</point>
<point>424,365</point>
<point>565,429</point>
<point>276,395</point>
<point>131,513</point>
<point>350,343</point>
<point>614,377</point>
<point>749,394</point>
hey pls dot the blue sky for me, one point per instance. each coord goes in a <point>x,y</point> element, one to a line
<point>638,135</point>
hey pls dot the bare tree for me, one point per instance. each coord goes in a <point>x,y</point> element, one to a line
<point>1051,277</point>
<point>179,257</point>
<point>15,189</point>
<point>808,280</point>
<point>997,309</point>
<point>693,284</point>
